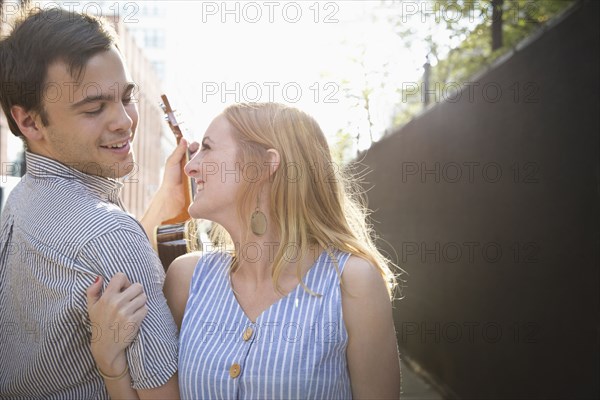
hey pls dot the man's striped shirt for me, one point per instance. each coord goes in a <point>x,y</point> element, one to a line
<point>59,230</point>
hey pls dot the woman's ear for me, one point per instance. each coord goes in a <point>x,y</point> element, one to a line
<point>273,160</point>
<point>26,121</point>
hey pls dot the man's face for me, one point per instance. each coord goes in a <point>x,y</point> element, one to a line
<point>91,124</point>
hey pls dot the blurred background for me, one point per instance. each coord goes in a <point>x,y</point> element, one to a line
<point>475,124</point>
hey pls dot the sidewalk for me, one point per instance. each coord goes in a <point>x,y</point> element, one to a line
<point>414,387</point>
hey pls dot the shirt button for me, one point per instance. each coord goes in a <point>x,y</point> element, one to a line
<point>247,334</point>
<point>234,370</point>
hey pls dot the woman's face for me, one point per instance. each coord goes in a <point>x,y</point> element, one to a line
<point>217,173</point>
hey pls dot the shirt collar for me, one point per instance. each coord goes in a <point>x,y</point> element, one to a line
<point>41,167</point>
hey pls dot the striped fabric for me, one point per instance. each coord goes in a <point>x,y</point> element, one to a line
<point>60,229</point>
<point>296,349</point>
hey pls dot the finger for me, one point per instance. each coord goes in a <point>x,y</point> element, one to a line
<point>118,283</point>
<point>135,304</point>
<point>143,312</point>
<point>193,147</point>
<point>136,321</point>
<point>132,292</point>
<point>94,291</point>
<point>139,315</point>
<point>178,153</point>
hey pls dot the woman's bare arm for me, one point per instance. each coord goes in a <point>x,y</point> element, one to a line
<point>177,284</point>
<point>372,352</point>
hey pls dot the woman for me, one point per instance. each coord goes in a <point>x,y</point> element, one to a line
<point>300,307</point>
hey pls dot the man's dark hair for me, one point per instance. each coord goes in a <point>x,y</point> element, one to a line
<point>38,40</point>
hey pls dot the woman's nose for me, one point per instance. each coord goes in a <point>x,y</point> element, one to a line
<point>192,167</point>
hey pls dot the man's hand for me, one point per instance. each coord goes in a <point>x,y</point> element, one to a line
<point>169,200</point>
<point>171,188</point>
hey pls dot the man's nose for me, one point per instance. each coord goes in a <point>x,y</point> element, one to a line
<point>122,118</point>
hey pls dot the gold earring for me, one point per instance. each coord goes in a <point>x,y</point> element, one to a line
<point>258,220</point>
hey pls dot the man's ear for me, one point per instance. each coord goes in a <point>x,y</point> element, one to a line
<point>28,123</point>
<point>273,160</point>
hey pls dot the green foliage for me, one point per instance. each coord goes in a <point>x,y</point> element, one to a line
<point>341,151</point>
<point>520,19</point>
<point>469,25</point>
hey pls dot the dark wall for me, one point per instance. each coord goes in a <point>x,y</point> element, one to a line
<point>501,246</point>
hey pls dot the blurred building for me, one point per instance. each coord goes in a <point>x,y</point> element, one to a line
<point>3,141</point>
<point>11,147</point>
<point>145,20</point>
<point>153,136</point>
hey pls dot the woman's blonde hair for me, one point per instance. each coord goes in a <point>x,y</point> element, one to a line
<point>312,200</point>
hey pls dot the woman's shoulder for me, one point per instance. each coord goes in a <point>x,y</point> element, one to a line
<point>180,277</point>
<point>189,266</point>
<point>360,276</point>
<point>365,298</point>
<point>183,267</point>
<point>179,274</point>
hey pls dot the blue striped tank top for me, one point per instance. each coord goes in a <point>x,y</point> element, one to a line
<point>296,349</point>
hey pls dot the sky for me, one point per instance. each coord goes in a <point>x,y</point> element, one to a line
<point>298,53</point>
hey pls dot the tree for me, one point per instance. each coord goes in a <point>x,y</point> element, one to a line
<point>500,25</point>
<point>463,37</point>
<point>497,24</point>
<point>362,87</point>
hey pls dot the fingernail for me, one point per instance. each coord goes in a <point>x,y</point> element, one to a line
<point>97,279</point>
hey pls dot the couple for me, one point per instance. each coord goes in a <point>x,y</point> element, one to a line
<point>267,319</point>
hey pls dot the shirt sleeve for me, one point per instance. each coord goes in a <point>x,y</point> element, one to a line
<point>152,356</point>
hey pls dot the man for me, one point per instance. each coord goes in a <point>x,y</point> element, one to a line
<point>66,91</point>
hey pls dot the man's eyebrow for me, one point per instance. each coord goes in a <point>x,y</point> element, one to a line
<point>129,88</point>
<point>102,97</point>
<point>91,99</point>
<point>207,138</point>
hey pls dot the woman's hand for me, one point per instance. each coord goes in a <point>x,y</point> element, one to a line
<point>116,316</point>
